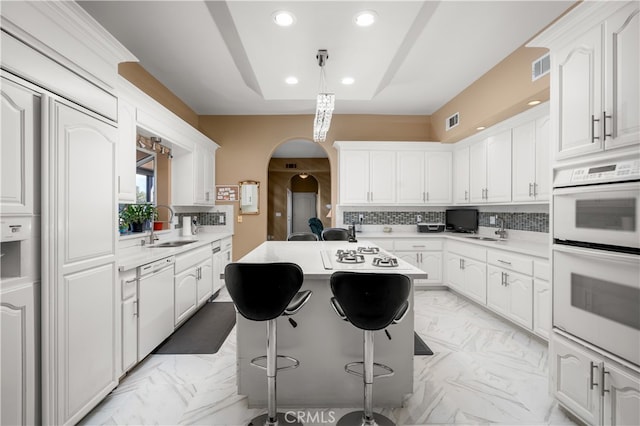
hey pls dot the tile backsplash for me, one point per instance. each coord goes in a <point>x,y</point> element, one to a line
<point>532,222</point>
<point>204,219</point>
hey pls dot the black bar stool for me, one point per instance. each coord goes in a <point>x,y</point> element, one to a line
<point>302,236</point>
<point>370,302</point>
<point>335,234</point>
<point>264,292</point>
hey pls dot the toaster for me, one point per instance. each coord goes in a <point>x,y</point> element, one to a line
<point>431,227</point>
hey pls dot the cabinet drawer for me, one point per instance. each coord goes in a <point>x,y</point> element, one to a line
<point>190,258</point>
<point>467,250</point>
<point>510,261</point>
<point>418,245</point>
<point>541,270</point>
<point>129,281</point>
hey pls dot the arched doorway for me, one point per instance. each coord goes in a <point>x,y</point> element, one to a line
<point>299,186</point>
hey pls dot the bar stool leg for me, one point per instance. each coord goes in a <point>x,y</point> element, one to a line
<point>366,417</point>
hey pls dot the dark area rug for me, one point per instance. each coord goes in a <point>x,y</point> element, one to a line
<point>419,346</point>
<point>203,333</point>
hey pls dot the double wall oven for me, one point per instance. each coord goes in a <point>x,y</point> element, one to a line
<point>596,255</point>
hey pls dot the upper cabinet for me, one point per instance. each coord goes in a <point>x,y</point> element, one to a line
<point>193,177</point>
<point>461,176</point>
<point>126,152</point>
<point>490,169</point>
<point>595,95</point>
<point>409,173</point>
<point>531,166</point>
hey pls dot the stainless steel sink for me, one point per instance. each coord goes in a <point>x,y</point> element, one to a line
<point>172,244</point>
<point>484,238</point>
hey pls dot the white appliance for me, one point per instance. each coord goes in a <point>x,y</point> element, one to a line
<point>155,304</point>
<point>596,255</point>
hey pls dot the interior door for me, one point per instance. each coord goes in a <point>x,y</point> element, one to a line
<point>304,207</point>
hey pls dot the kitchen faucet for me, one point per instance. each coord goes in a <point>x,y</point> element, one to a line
<point>152,236</point>
<point>501,232</point>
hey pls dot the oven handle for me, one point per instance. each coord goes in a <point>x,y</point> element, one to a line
<point>624,186</point>
<point>598,254</point>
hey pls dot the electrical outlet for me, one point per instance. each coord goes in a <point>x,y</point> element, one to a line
<point>418,218</point>
<point>361,217</point>
<point>222,220</point>
<point>239,218</point>
<point>492,220</point>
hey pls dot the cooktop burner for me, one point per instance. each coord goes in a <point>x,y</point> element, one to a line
<point>368,250</point>
<point>349,256</point>
<point>385,262</point>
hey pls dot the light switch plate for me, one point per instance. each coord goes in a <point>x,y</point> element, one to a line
<point>239,218</point>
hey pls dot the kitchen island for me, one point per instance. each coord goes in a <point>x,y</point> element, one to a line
<point>322,342</point>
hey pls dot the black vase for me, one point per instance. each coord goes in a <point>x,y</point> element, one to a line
<point>137,226</point>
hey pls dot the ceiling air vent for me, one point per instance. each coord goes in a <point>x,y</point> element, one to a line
<point>540,67</point>
<point>452,121</point>
<point>290,166</point>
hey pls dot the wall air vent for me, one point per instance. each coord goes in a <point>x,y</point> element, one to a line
<point>452,121</point>
<point>540,67</point>
<point>290,166</point>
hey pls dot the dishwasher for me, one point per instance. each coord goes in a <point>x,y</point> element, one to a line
<point>155,304</point>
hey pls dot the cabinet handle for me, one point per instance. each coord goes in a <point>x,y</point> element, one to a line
<point>535,189</point>
<point>423,197</point>
<point>118,184</point>
<point>461,263</point>
<point>130,281</point>
<point>465,194</point>
<point>603,389</point>
<point>604,125</point>
<point>501,278</point>
<point>504,261</point>
<point>530,189</point>
<point>591,383</point>
<point>135,308</point>
<point>506,279</point>
<point>427,196</point>
<point>593,128</point>
<point>421,258</point>
<point>417,258</point>
<point>418,246</point>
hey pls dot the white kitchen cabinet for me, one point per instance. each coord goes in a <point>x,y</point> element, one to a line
<point>510,294</point>
<point>423,254</point>
<point>193,177</point>
<point>19,149</point>
<point>186,284</point>
<point>595,388</point>
<point>193,282</point>
<point>424,177</point>
<point>467,270</point>
<point>461,165</point>
<point>367,177</point>
<point>221,259</point>
<point>81,327</point>
<point>475,279</point>
<point>490,169</point>
<point>19,319</point>
<point>531,168</point>
<point>595,56</point>
<point>129,283</point>
<point>204,287</point>
<point>541,299</point>
<point>126,152</point>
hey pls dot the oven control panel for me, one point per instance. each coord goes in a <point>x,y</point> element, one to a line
<point>608,172</point>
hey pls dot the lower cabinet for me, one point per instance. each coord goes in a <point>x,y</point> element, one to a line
<point>541,299</point>
<point>593,387</point>
<point>129,282</point>
<point>467,276</point>
<point>423,254</point>
<point>510,294</point>
<point>193,282</point>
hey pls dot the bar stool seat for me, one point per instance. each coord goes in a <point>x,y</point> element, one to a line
<point>265,292</point>
<point>370,302</point>
<point>302,236</point>
<point>335,234</point>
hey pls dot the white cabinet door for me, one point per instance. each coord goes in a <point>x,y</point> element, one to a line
<point>574,377</point>
<point>621,396</point>
<point>129,333</point>
<point>126,152</point>
<point>622,85</point>
<point>185,294</point>
<point>524,165</point>
<point>382,177</point>
<point>411,180</point>
<point>461,176</point>
<point>541,308</point>
<point>478,171</point>
<point>18,318</point>
<point>498,187</point>
<point>354,177</point>
<point>209,174</point>
<point>411,257</point>
<point>475,279</point>
<point>20,125</point>
<point>431,263</point>
<point>80,252</point>
<point>205,281</point>
<point>497,292</point>
<point>455,277</point>
<point>438,177</point>
<point>542,183</point>
<point>520,288</point>
<point>579,90</point>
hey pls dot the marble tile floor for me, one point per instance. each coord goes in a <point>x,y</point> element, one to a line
<point>483,371</point>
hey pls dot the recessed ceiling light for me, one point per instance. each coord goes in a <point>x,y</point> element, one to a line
<point>291,80</point>
<point>348,80</point>
<point>366,18</point>
<point>283,18</point>
<point>532,103</point>
<point>480,128</point>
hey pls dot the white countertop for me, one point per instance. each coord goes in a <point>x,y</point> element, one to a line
<point>132,257</point>
<point>523,246</point>
<point>309,256</point>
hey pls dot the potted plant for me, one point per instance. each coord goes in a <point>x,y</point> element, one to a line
<point>138,215</point>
